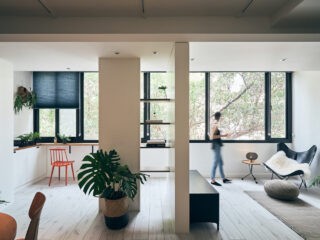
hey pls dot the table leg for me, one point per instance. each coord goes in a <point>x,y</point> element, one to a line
<point>250,173</point>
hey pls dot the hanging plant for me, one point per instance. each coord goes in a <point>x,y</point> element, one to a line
<point>24,98</point>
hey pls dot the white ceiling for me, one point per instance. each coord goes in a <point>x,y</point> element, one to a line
<point>208,56</point>
<point>255,56</point>
<point>75,56</point>
<point>135,8</point>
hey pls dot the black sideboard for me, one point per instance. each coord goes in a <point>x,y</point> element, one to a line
<point>204,199</point>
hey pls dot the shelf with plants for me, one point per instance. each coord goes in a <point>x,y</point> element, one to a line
<point>156,119</point>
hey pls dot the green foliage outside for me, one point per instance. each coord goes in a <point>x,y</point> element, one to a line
<point>47,122</point>
<point>91,106</point>
<point>240,96</point>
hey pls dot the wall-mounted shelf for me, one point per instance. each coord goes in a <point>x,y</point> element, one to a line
<point>163,123</point>
<point>144,145</point>
<point>157,100</point>
<point>154,147</point>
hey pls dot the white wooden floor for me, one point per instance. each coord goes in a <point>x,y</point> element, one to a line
<point>69,214</point>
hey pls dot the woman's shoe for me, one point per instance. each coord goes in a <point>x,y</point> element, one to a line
<point>215,183</point>
<point>226,180</point>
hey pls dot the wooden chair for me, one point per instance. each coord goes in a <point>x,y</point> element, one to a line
<point>59,158</point>
<point>8,227</point>
<point>34,214</point>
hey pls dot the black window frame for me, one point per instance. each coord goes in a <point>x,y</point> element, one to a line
<point>79,138</point>
<point>268,138</point>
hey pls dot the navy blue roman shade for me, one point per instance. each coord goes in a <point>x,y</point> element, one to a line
<point>57,89</point>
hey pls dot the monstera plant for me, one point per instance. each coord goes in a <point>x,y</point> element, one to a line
<point>102,175</point>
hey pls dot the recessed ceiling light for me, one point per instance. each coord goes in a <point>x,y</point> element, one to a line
<point>68,68</point>
<point>283,59</point>
<point>116,53</point>
<point>191,59</point>
<point>155,52</point>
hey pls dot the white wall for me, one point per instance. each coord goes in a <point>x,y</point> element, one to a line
<point>201,157</point>
<point>23,121</point>
<point>154,159</point>
<point>6,130</point>
<point>306,114</point>
<point>77,154</point>
<point>30,166</point>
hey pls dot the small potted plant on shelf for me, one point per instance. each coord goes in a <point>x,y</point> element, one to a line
<point>24,98</point>
<point>64,139</point>
<point>102,175</point>
<point>164,90</point>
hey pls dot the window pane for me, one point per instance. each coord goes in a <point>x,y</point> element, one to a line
<point>68,122</point>
<point>278,105</point>
<point>158,80</point>
<point>141,85</point>
<point>240,97</point>
<point>159,132</point>
<point>47,122</point>
<point>160,111</point>
<point>91,106</point>
<point>197,106</point>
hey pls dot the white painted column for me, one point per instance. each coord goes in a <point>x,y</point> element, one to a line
<point>119,111</point>
<point>7,181</point>
<point>182,137</point>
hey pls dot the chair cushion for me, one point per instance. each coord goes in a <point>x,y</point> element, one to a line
<point>281,189</point>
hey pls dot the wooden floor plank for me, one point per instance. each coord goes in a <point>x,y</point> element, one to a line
<point>69,214</point>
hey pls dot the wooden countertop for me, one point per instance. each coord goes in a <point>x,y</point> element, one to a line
<point>55,144</point>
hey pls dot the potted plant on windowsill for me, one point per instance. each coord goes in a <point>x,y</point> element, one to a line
<point>64,139</point>
<point>28,139</point>
<point>102,175</point>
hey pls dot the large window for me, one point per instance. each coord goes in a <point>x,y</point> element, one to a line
<point>197,106</point>
<point>91,106</point>
<point>256,106</point>
<point>80,123</point>
<point>155,109</point>
<point>47,122</point>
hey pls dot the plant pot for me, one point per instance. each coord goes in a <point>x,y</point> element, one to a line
<point>116,213</point>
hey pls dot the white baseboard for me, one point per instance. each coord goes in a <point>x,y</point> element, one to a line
<point>17,188</point>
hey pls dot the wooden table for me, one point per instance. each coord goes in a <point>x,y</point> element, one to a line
<point>8,227</point>
<point>250,164</point>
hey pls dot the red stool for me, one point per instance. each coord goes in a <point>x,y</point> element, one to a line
<point>59,158</point>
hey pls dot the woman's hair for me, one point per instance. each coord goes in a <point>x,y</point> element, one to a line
<point>217,116</point>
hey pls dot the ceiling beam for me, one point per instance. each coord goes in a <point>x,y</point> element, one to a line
<point>284,11</point>
<point>143,9</point>
<point>46,8</point>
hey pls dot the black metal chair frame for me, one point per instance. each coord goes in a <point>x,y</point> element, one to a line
<point>300,157</point>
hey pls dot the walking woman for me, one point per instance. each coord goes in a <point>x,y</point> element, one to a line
<point>216,146</point>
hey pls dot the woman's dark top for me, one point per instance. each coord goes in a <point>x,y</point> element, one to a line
<point>216,141</point>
